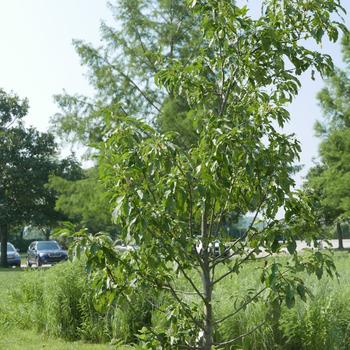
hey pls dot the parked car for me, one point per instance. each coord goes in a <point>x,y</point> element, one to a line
<point>216,248</point>
<point>122,247</point>
<point>45,252</point>
<point>13,258</point>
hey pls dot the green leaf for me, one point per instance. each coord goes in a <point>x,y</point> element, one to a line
<point>292,246</point>
<point>290,297</point>
<point>301,291</point>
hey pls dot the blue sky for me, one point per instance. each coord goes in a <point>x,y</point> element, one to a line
<point>38,60</point>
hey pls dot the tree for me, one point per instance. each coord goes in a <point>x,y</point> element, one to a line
<point>148,35</point>
<point>47,215</point>
<point>167,198</point>
<point>83,201</point>
<point>26,160</point>
<point>330,179</point>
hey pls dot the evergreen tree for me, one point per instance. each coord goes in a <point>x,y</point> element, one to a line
<point>147,36</point>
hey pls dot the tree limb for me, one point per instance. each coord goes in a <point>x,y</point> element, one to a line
<point>228,342</point>
<point>241,307</point>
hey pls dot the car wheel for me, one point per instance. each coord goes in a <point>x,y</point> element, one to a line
<point>38,262</point>
<point>29,264</point>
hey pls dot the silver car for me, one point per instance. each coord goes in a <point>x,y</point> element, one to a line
<point>13,258</point>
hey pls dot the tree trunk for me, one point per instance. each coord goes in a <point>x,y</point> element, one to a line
<point>340,236</point>
<point>3,240</point>
<point>207,342</point>
<point>208,310</point>
<point>47,232</point>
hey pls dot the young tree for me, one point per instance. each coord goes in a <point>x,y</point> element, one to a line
<point>168,198</point>
<point>330,179</point>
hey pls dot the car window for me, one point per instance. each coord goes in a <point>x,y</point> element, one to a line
<point>10,247</point>
<point>47,245</point>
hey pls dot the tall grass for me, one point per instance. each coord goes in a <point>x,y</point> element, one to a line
<point>59,302</point>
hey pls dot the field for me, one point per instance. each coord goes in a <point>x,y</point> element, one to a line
<point>37,316</point>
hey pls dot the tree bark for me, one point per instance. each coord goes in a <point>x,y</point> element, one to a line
<point>47,232</point>
<point>207,284</point>
<point>3,240</point>
<point>208,310</point>
<point>340,236</point>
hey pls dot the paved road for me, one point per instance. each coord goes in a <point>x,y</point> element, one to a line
<point>346,242</point>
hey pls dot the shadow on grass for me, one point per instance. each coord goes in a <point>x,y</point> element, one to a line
<point>11,269</point>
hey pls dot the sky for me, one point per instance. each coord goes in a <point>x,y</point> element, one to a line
<point>38,60</point>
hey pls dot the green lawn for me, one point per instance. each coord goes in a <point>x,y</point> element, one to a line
<point>18,339</point>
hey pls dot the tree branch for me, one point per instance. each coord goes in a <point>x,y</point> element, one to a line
<point>147,98</point>
<point>222,255</point>
<point>184,306</point>
<point>241,307</point>
<point>240,336</point>
<point>189,279</point>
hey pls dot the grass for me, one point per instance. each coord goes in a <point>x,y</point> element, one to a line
<point>323,323</point>
<point>13,338</point>
<point>16,339</point>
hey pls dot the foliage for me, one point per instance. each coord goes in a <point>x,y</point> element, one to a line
<point>176,116</point>
<point>83,201</point>
<point>147,36</point>
<point>27,159</point>
<point>330,178</point>
<point>47,215</point>
<point>60,302</point>
<point>167,197</point>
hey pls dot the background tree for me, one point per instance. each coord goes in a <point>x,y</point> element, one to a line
<point>238,86</point>
<point>27,158</point>
<point>83,201</point>
<point>147,36</point>
<point>47,214</point>
<point>330,179</point>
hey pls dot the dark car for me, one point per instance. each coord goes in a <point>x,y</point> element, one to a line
<point>45,252</point>
<point>13,258</point>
